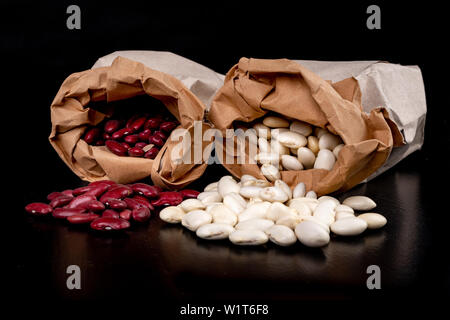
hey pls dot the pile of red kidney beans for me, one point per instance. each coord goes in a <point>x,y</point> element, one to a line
<point>141,135</point>
<point>106,205</point>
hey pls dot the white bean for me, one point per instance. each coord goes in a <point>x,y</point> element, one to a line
<point>212,186</point>
<point>191,205</point>
<point>267,158</point>
<point>325,160</point>
<point>349,226</point>
<point>234,203</point>
<point>270,172</point>
<point>289,222</point>
<point>343,214</point>
<point>301,207</point>
<point>328,141</point>
<point>255,211</point>
<point>278,210</point>
<point>311,194</point>
<point>247,177</point>
<point>291,163</point>
<point>343,207</point>
<point>195,219</point>
<point>171,214</point>
<point>337,149</point>
<point>273,194</point>
<point>283,186</point>
<point>312,234</point>
<point>275,132</point>
<point>209,196</point>
<point>313,144</point>
<point>360,203</point>
<point>256,183</point>
<point>264,145</point>
<point>281,235</point>
<point>374,220</point>
<point>214,231</point>
<point>275,122</point>
<point>250,191</point>
<point>318,132</point>
<point>227,185</point>
<point>323,198</point>
<point>222,214</point>
<point>278,148</point>
<point>292,139</point>
<point>299,190</point>
<point>262,131</point>
<point>248,237</point>
<point>301,127</point>
<point>306,157</point>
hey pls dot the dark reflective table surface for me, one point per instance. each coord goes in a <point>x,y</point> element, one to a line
<point>161,263</point>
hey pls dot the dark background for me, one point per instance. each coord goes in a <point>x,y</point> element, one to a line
<point>145,269</point>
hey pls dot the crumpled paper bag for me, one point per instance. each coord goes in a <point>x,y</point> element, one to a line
<point>124,78</point>
<point>398,89</point>
<point>254,87</point>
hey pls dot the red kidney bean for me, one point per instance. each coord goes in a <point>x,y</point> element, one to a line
<point>98,190</point>
<point>82,218</point>
<point>143,201</point>
<point>63,213</point>
<point>109,213</point>
<point>106,136</point>
<point>81,190</point>
<point>116,148</point>
<point>171,198</point>
<point>168,126</point>
<point>136,152</point>
<point>111,183</point>
<point>108,224</point>
<point>126,145</point>
<point>131,139</point>
<point>144,135</point>
<point>158,188</point>
<point>119,134</point>
<point>95,206</point>
<point>140,145</point>
<point>112,126</point>
<point>146,190</point>
<point>132,204</point>
<point>117,204</point>
<point>160,134</point>
<point>141,214</point>
<point>68,192</point>
<point>100,143</point>
<point>189,193</point>
<point>80,201</point>
<point>152,153</point>
<point>131,120</point>
<point>92,135</point>
<point>125,214</point>
<point>38,208</point>
<point>152,123</point>
<point>60,201</point>
<point>138,123</point>
<point>54,195</point>
<point>119,191</point>
<point>156,140</point>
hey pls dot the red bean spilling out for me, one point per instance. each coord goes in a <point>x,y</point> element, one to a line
<point>106,205</point>
<point>139,135</point>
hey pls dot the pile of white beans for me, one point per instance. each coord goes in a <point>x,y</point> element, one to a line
<point>294,145</point>
<point>252,212</point>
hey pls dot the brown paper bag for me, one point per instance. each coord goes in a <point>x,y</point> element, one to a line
<point>71,115</point>
<point>254,87</point>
